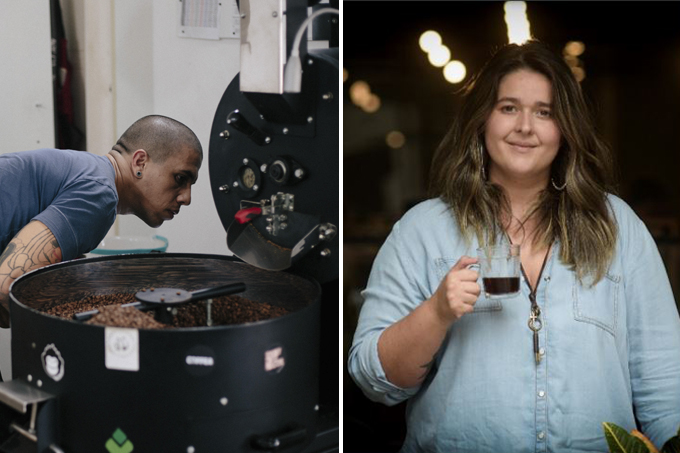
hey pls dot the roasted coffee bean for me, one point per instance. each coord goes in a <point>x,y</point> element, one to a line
<point>115,315</point>
<point>66,309</point>
<point>225,310</point>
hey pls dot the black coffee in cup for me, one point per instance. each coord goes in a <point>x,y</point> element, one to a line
<point>499,269</point>
<point>501,285</point>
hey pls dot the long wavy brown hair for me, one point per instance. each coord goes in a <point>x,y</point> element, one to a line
<point>578,216</point>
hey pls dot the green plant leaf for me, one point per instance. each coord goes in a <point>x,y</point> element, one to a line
<point>621,441</point>
<point>672,445</point>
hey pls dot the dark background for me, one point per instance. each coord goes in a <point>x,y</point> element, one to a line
<point>632,65</point>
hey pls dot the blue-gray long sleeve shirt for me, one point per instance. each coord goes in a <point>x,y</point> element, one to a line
<point>610,352</point>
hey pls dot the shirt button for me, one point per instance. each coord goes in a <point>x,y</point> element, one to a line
<point>547,279</point>
<point>541,394</point>
<point>541,435</point>
<point>541,351</point>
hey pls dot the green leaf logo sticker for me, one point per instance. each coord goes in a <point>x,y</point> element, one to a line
<point>119,443</point>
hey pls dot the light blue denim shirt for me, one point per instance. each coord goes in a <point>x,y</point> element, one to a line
<point>609,351</point>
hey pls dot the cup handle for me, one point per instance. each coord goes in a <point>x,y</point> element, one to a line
<point>475,267</point>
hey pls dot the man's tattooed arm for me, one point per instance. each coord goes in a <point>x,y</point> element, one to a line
<point>33,247</point>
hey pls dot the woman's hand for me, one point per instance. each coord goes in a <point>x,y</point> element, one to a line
<point>407,348</point>
<point>458,292</point>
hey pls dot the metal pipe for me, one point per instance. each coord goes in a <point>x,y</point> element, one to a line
<point>34,413</point>
<point>23,432</point>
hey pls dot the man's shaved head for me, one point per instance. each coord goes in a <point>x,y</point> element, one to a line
<point>159,136</point>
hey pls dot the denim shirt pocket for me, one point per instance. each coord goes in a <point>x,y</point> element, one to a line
<point>483,304</point>
<point>599,304</point>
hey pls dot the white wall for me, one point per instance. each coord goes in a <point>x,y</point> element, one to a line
<point>157,72</point>
<point>26,116</point>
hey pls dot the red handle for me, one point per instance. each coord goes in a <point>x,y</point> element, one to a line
<point>248,214</point>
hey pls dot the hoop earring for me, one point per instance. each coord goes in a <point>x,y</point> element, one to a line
<point>558,188</point>
<point>139,174</point>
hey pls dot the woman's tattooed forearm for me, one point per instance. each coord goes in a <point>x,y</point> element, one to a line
<point>426,368</point>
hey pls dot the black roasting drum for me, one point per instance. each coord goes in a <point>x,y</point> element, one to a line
<point>226,388</point>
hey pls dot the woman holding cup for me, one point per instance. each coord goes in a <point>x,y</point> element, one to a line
<point>591,334</point>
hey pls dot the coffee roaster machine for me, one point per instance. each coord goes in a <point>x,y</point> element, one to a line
<point>264,386</point>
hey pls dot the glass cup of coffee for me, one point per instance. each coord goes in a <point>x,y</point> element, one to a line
<point>499,267</point>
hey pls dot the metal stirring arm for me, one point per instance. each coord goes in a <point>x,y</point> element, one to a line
<point>165,298</point>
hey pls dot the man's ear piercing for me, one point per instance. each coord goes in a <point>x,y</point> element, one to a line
<point>139,174</point>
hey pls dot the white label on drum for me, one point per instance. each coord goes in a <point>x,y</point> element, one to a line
<point>53,363</point>
<point>273,359</point>
<point>200,360</point>
<point>121,349</point>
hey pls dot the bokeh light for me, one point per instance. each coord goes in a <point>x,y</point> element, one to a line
<point>439,56</point>
<point>519,29</point>
<point>571,60</point>
<point>579,73</point>
<point>359,92</point>
<point>574,48</point>
<point>572,51</point>
<point>455,71</point>
<point>430,40</point>
<point>395,139</point>
<point>372,105</point>
<point>515,8</point>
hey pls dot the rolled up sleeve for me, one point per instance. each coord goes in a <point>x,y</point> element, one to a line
<point>391,294</point>
<point>653,335</point>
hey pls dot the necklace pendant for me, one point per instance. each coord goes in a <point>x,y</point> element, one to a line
<point>537,354</point>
